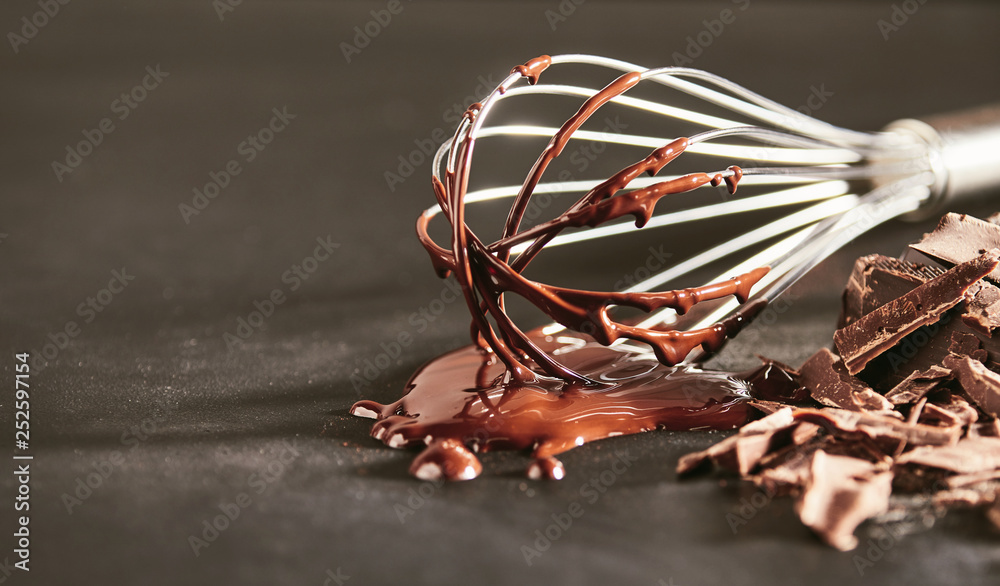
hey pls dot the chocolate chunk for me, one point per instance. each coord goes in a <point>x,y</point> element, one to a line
<point>827,379</point>
<point>979,382</point>
<point>741,452</point>
<point>876,332</point>
<point>917,385</point>
<point>982,308</point>
<point>787,470</point>
<point>959,238</point>
<point>881,426</point>
<point>877,280</point>
<point>956,413</point>
<point>774,381</point>
<point>965,344</point>
<point>989,428</point>
<point>842,492</point>
<point>965,497</point>
<point>924,348</point>
<point>968,456</point>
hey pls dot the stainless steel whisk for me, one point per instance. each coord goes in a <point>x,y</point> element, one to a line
<point>913,168</point>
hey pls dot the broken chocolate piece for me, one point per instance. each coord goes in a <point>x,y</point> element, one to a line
<point>877,280</point>
<point>982,308</point>
<point>979,382</point>
<point>917,385</point>
<point>774,381</point>
<point>968,456</point>
<point>826,377</point>
<point>882,426</point>
<point>965,344</point>
<point>959,238</point>
<point>842,492</point>
<point>876,332</point>
<point>741,452</point>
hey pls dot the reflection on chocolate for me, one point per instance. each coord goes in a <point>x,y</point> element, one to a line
<point>464,400</point>
<point>517,390</point>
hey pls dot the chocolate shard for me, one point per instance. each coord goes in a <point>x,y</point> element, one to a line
<point>980,383</point>
<point>989,428</point>
<point>842,492</point>
<point>926,347</point>
<point>959,238</point>
<point>964,480</point>
<point>968,456</point>
<point>827,379</point>
<point>982,308</point>
<point>965,344</point>
<point>965,497</point>
<point>741,452</point>
<point>787,470</point>
<point>876,332</point>
<point>877,280</point>
<point>951,415</point>
<point>878,426</point>
<point>917,384</point>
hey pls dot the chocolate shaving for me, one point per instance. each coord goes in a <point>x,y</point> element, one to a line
<point>959,238</point>
<point>917,384</point>
<point>827,379</point>
<point>979,382</point>
<point>968,456</point>
<point>982,308</point>
<point>881,329</point>
<point>850,424</point>
<point>841,493</point>
<point>741,452</point>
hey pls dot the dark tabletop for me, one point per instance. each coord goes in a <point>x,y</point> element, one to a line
<point>148,422</point>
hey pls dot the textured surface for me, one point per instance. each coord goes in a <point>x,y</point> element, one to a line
<point>186,424</point>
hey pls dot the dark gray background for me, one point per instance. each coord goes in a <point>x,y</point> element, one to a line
<point>215,418</point>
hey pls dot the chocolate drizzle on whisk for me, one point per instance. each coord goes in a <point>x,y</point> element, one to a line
<point>551,392</point>
<point>486,272</point>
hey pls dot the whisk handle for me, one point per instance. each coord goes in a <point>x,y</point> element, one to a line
<point>965,154</point>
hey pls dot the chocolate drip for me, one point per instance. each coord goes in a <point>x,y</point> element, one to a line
<point>485,273</point>
<point>517,390</point>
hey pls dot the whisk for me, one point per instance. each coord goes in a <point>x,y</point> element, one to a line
<point>840,183</point>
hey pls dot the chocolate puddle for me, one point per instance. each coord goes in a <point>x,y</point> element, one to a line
<point>463,402</point>
<point>523,390</point>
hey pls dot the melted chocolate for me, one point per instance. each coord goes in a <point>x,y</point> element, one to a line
<point>463,402</point>
<point>517,390</point>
